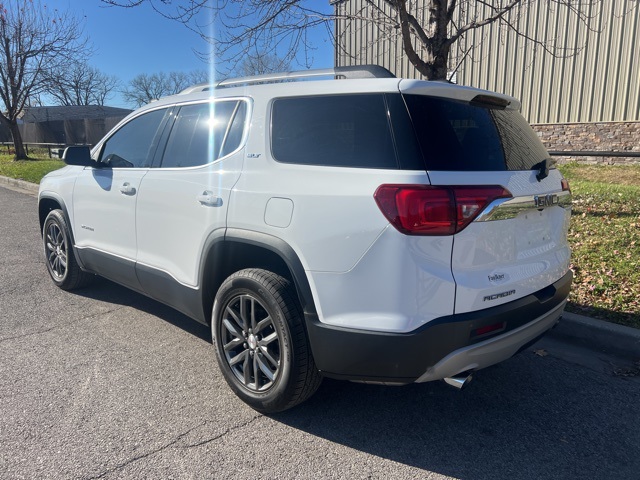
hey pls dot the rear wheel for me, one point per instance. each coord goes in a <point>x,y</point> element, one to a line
<point>58,253</point>
<point>261,343</point>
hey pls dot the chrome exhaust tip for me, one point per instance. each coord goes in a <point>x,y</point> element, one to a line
<point>459,381</point>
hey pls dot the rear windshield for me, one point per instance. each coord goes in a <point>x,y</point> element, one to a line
<point>457,136</point>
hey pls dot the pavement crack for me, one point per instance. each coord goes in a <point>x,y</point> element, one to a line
<point>148,454</point>
<point>170,444</point>
<point>58,325</point>
<point>226,432</point>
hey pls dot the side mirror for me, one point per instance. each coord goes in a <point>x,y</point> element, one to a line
<point>78,155</point>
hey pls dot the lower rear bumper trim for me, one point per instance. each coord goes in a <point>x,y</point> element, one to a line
<point>492,351</point>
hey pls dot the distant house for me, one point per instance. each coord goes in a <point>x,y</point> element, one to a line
<point>78,124</point>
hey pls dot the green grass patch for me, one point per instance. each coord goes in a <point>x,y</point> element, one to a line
<point>30,170</point>
<point>605,241</point>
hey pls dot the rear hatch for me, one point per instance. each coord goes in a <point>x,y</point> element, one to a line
<point>516,243</point>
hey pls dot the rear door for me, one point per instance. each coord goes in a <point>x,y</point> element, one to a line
<point>517,245</point>
<point>184,202</point>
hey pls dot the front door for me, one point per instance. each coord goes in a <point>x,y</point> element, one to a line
<point>105,199</point>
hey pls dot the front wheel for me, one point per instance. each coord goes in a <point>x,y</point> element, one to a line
<point>261,343</point>
<point>58,253</point>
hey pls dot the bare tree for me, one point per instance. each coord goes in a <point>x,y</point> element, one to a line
<point>426,29</point>
<point>81,84</point>
<point>260,65</point>
<point>145,88</point>
<point>199,76</point>
<point>34,39</point>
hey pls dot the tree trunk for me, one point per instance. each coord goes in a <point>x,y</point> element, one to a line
<point>432,62</point>
<point>20,153</point>
<point>433,66</point>
<point>436,64</point>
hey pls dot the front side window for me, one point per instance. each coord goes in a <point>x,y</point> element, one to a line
<point>333,130</point>
<point>204,132</point>
<point>134,144</point>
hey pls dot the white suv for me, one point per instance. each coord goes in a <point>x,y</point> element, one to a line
<point>372,229</point>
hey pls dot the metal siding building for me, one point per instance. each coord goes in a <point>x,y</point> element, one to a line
<point>69,125</point>
<point>596,77</point>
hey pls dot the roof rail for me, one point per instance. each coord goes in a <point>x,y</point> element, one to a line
<point>363,71</point>
<point>350,72</point>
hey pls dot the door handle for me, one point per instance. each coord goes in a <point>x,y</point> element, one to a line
<point>209,199</point>
<point>127,189</point>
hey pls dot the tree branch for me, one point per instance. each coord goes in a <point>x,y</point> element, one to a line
<point>499,13</point>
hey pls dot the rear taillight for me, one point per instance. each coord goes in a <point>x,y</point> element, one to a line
<point>434,210</point>
<point>565,185</point>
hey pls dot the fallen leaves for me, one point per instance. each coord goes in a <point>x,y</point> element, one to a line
<point>604,236</point>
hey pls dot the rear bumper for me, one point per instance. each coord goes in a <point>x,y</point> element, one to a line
<point>492,351</point>
<point>444,347</point>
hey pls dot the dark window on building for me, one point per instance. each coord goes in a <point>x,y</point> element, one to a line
<point>204,132</point>
<point>134,144</point>
<point>337,130</point>
<point>457,136</point>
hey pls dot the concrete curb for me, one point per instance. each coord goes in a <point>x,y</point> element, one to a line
<point>599,335</point>
<point>21,184</point>
<point>589,332</point>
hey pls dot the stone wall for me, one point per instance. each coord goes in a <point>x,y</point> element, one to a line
<point>601,137</point>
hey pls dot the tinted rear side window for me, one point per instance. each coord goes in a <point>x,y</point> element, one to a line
<point>457,136</point>
<point>338,130</point>
<point>235,131</point>
<point>201,132</point>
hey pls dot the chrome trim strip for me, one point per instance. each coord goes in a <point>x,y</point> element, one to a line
<point>506,208</point>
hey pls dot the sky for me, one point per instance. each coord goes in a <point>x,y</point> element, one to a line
<point>131,41</point>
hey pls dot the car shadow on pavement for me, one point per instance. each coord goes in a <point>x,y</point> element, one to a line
<point>106,291</point>
<point>530,417</point>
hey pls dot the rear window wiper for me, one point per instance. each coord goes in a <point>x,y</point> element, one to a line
<point>542,168</point>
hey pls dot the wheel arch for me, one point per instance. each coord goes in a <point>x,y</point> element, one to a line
<point>47,203</point>
<point>240,249</point>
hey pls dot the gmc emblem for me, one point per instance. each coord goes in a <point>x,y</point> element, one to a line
<point>546,200</point>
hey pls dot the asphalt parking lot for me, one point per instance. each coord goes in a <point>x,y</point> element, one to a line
<point>105,383</point>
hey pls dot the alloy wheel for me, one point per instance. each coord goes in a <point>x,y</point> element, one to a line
<point>250,342</point>
<point>56,251</point>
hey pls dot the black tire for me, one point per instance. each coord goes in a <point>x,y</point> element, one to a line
<point>261,343</point>
<point>58,253</point>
